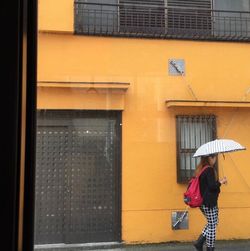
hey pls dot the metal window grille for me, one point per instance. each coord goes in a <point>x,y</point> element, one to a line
<point>194,19</point>
<point>234,20</point>
<point>145,17</point>
<point>96,16</point>
<point>192,132</point>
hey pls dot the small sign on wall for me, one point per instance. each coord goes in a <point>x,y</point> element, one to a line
<point>179,220</point>
<point>176,67</point>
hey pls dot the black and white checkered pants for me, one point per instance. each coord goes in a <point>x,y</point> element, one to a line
<point>209,230</point>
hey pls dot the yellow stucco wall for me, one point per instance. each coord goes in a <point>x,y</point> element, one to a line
<point>55,16</point>
<point>214,70</point>
<point>70,98</point>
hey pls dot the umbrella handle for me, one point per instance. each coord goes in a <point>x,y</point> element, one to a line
<point>222,169</point>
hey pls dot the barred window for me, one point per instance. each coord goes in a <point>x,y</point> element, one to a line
<point>192,16</point>
<point>236,22</point>
<point>96,16</point>
<point>142,16</point>
<point>192,132</point>
<point>196,19</point>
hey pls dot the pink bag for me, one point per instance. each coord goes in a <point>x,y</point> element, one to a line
<point>192,197</point>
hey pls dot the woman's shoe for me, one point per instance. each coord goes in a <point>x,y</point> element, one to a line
<point>199,243</point>
<point>210,249</point>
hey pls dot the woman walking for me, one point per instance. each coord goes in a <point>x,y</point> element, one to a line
<point>210,189</point>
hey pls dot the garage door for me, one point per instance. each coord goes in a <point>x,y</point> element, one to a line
<point>78,171</point>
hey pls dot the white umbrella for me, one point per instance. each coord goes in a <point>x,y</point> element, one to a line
<point>218,146</point>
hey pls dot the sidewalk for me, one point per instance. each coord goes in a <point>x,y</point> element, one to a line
<point>235,245</point>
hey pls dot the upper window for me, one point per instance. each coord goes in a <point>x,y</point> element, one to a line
<point>96,16</point>
<point>190,17</point>
<point>233,19</point>
<point>194,19</point>
<point>145,17</point>
<point>192,132</point>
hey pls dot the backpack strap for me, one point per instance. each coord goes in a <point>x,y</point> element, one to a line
<point>202,170</point>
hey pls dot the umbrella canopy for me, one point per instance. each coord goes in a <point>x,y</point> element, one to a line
<point>218,146</point>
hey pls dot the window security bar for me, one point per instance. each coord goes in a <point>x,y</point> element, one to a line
<point>192,131</point>
<point>152,21</point>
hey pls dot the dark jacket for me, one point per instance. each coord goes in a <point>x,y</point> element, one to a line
<point>209,187</point>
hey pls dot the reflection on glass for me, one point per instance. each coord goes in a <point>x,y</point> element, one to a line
<point>117,127</point>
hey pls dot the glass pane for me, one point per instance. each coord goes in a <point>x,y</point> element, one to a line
<point>117,133</point>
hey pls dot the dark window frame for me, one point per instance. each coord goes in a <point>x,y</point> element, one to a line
<point>145,17</point>
<point>184,175</point>
<point>192,17</point>
<point>169,22</point>
<point>19,113</point>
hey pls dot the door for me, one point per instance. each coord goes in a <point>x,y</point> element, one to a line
<point>78,187</point>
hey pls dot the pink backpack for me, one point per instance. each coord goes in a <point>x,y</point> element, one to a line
<point>192,197</point>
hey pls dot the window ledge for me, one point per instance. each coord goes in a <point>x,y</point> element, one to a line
<point>81,95</point>
<point>85,85</point>
<point>207,103</point>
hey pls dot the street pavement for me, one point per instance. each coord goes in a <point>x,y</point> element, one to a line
<point>232,245</point>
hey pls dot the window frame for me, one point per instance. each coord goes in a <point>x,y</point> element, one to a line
<point>190,18</point>
<point>174,22</point>
<point>150,13</point>
<point>213,118</point>
<point>19,113</point>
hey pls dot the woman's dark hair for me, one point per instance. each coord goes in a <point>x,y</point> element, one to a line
<point>203,162</point>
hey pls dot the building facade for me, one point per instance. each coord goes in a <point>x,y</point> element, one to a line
<point>127,90</point>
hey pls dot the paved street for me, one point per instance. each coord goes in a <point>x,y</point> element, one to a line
<point>243,245</point>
